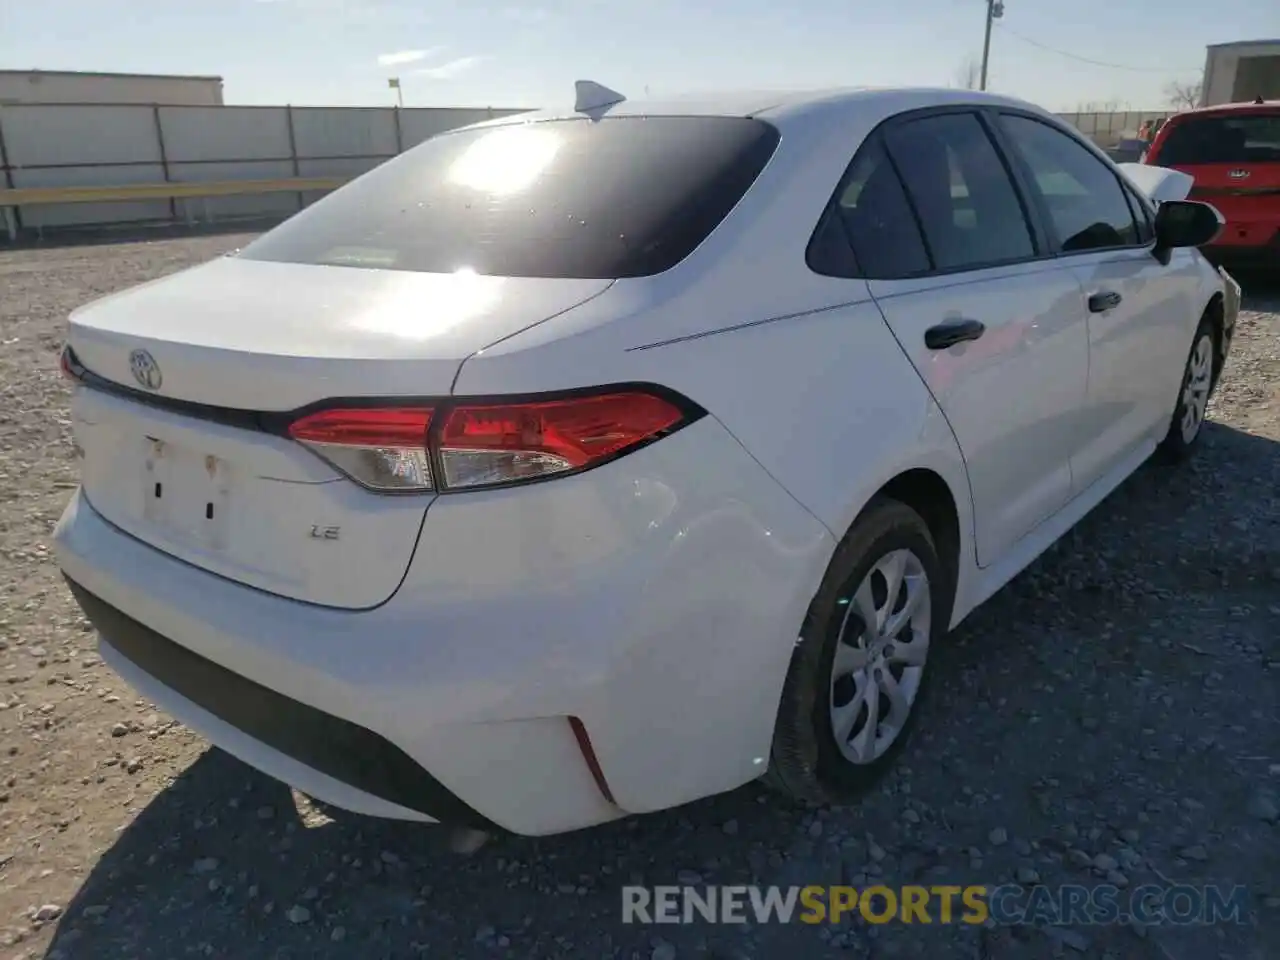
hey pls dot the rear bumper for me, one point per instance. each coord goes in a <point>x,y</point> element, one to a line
<point>336,748</point>
<point>651,605</point>
<point>1245,256</point>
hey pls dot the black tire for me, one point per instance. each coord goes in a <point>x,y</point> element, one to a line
<point>1177,445</point>
<point>806,764</point>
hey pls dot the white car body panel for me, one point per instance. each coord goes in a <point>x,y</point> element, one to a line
<point>467,628</point>
<point>253,752</point>
<point>290,335</point>
<point>1136,351</point>
<point>580,597</point>
<point>1014,396</point>
<point>251,517</point>
<point>1160,184</point>
<point>864,433</point>
<point>295,333</point>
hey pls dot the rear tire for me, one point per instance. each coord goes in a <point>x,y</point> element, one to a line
<point>1198,380</point>
<point>860,670</point>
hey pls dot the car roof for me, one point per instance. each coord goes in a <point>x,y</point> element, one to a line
<point>1227,109</point>
<point>782,107</point>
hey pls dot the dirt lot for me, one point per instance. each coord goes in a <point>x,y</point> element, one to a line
<point>1113,714</point>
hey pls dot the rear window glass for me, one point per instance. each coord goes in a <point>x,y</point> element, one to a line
<point>576,198</point>
<point>1251,138</point>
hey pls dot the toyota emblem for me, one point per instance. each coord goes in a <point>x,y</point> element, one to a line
<point>145,369</point>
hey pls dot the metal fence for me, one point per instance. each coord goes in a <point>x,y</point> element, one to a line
<point>101,145</point>
<point>65,145</point>
<point>1108,129</point>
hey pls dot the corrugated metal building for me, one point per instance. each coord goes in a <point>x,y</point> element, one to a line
<point>76,86</point>
<point>1241,71</point>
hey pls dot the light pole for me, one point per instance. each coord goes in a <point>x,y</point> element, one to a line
<point>394,84</point>
<point>995,10</point>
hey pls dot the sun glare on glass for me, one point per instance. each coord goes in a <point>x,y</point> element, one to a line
<point>505,161</point>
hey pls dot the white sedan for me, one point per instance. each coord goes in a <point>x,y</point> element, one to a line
<point>589,462</point>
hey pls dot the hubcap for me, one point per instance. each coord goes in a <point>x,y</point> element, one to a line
<point>1195,392</point>
<point>880,656</point>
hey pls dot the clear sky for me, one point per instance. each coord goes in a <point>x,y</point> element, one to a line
<point>527,53</point>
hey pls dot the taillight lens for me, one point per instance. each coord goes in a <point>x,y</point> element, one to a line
<point>486,444</point>
<point>489,444</point>
<point>69,365</point>
<point>383,449</point>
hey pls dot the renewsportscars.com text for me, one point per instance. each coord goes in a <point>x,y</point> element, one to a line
<point>1009,904</point>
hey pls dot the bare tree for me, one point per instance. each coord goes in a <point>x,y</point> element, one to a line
<point>968,74</point>
<point>1184,95</point>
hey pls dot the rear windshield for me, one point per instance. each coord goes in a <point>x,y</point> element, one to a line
<point>575,198</point>
<point>1245,138</point>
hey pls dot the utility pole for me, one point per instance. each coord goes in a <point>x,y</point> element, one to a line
<point>995,10</point>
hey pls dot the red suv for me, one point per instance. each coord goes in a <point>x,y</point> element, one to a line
<point>1233,151</point>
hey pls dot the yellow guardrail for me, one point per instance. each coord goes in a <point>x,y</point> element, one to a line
<point>30,196</point>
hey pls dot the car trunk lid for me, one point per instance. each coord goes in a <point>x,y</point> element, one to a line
<point>180,446</point>
<point>271,336</point>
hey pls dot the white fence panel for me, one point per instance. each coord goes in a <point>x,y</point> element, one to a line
<point>417,125</point>
<point>250,205</point>
<point>225,133</point>
<point>1108,129</point>
<point>118,145</point>
<point>39,134</point>
<point>91,214</point>
<point>344,132</point>
<point>337,167</point>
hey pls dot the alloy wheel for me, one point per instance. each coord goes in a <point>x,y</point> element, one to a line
<point>880,656</point>
<point>1195,391</point>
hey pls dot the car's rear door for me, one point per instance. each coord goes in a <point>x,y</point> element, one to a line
<point>1142,312</point>
<point>995,331</point>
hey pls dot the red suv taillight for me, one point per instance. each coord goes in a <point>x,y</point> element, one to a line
<point>468,445</point>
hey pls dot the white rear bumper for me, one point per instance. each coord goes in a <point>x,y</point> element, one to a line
<point>656,599</point>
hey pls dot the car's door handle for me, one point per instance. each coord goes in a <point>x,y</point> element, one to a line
<point>952,332</point>
<point>1104,301</point>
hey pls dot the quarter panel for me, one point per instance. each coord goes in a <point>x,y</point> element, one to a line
<point>825,401</point>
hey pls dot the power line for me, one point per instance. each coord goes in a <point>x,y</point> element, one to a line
<point>1088,60</point>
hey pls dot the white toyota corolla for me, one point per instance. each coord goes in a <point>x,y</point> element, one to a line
<point>585,463</point>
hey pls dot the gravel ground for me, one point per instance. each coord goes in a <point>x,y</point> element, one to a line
<point>1113,713</point>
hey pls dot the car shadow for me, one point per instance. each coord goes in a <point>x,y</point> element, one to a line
<point>221,863</point>
<point>1260,288</point>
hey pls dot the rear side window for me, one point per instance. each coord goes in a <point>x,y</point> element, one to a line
<point>877,218</point>
<point>575,198</point>
<point>1240,139</point>
<point>959,186</point>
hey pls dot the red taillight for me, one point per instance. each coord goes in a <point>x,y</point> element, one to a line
<point>67,364</point>
<point>382,448</point>
<point>485,444</point>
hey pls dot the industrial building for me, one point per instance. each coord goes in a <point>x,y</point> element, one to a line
<point>76,86</point>
<point>1241,71</point>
